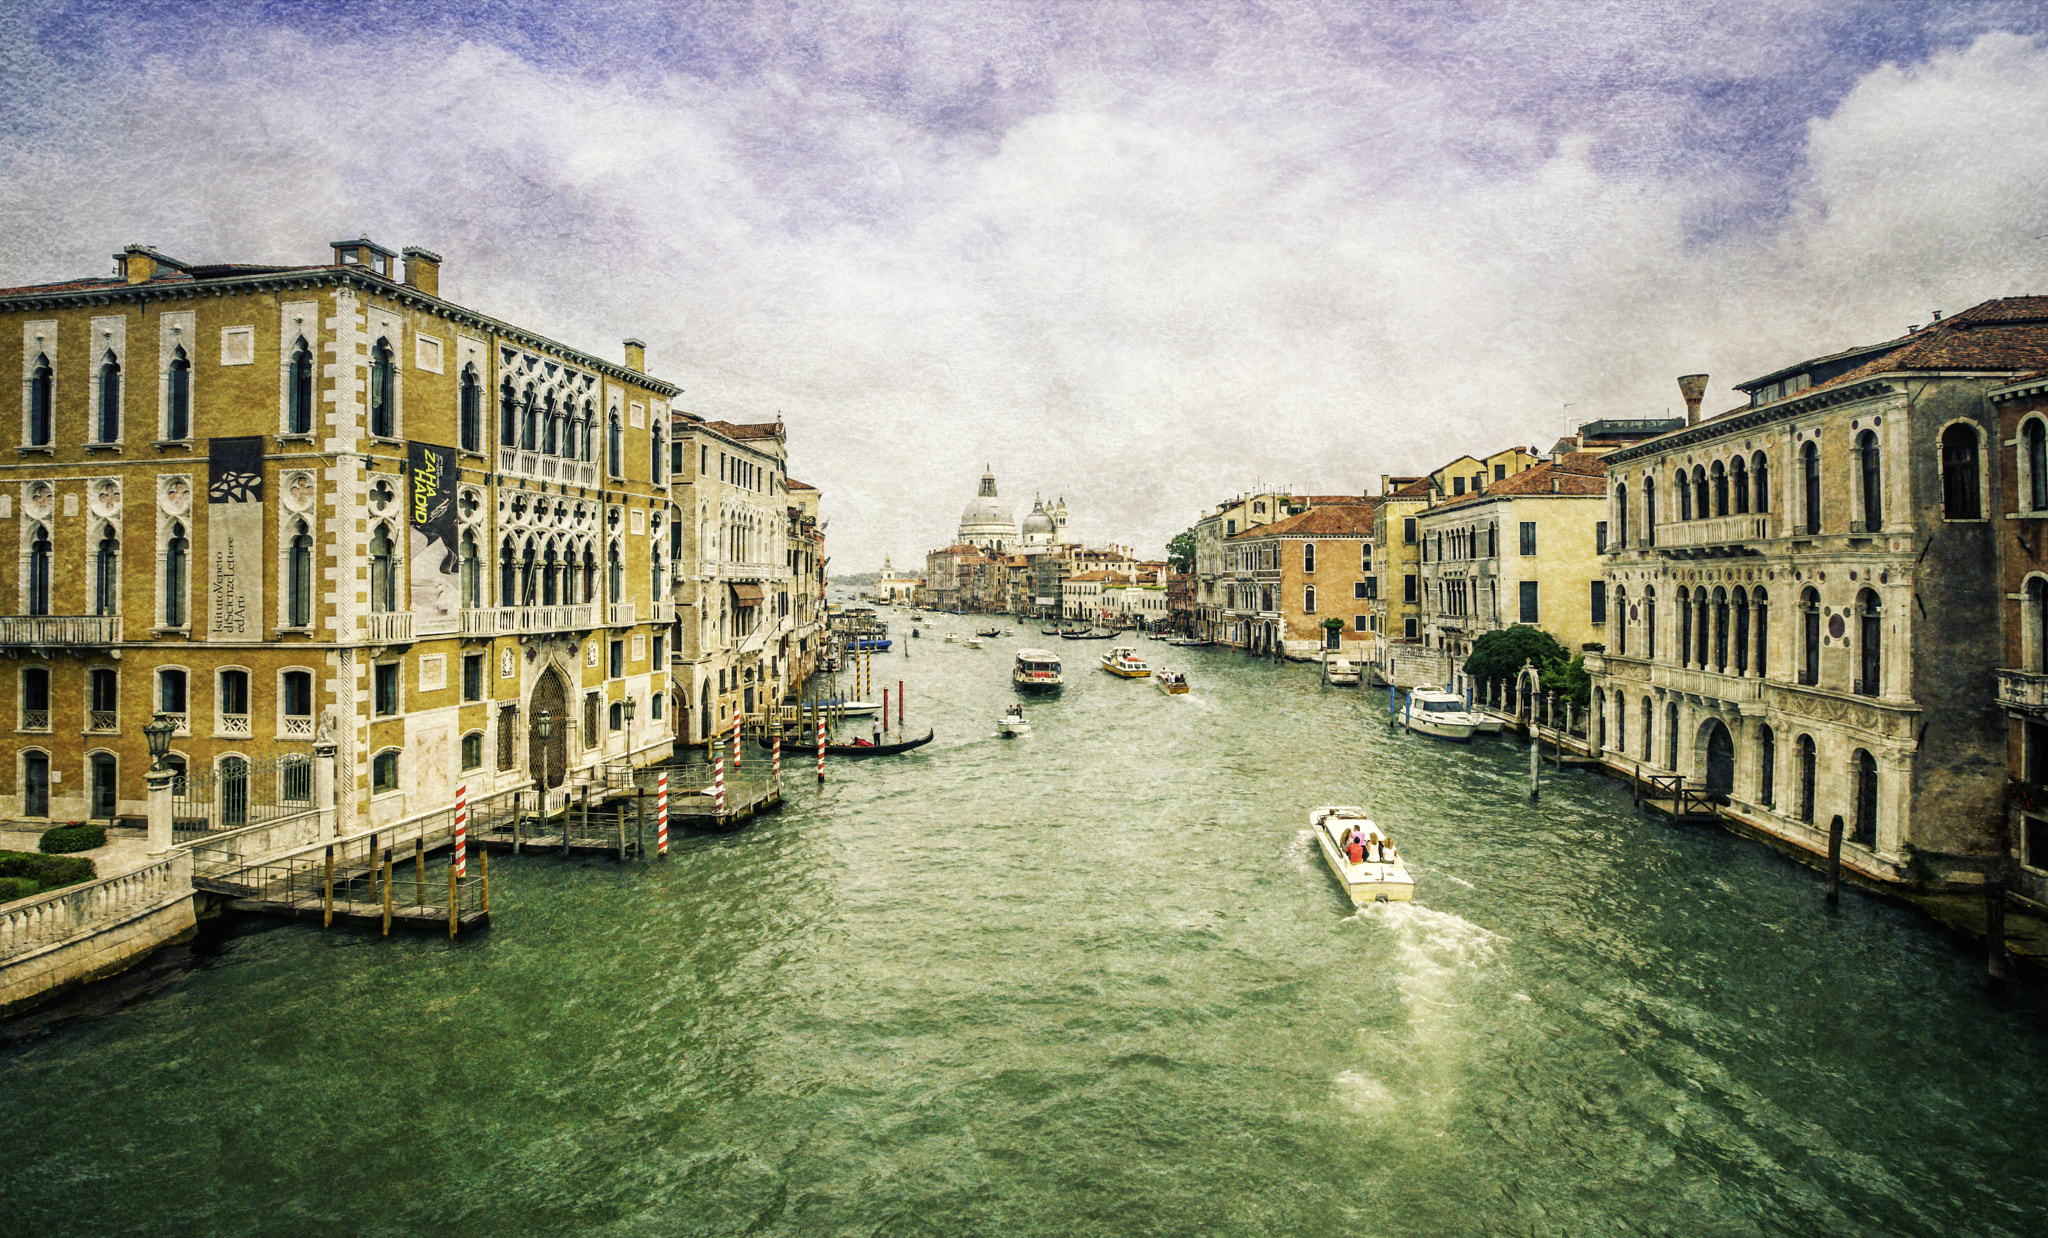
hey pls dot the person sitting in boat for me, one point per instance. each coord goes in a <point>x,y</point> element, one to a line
<point>1354,847</point>
<point>858,742</point>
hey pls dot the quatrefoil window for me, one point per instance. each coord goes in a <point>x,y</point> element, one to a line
<point>382,495</point>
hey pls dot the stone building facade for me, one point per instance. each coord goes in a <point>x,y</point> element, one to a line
<point>1803,598</point>
<point>2022,408</point>
<point>280,502</point>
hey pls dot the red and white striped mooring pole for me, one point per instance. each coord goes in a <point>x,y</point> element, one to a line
<point>821,749</point>
<point>462,830</point>
<point>718,783</point>
<point>661,815</point>
<point>735,741</point>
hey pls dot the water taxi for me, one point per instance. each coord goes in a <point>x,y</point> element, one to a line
<point>1171,682</point>
<point>1439,713</point>
<point>1340,671</point>
<point>1037,670</point>
<point>1123,660</point>
<point>1012,723</point>
<point>1377,875</point>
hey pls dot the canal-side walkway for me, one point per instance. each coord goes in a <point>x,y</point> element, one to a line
<point>1961,908</point>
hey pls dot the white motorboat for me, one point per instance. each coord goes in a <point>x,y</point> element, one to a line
<point>972,642</point>
<point>855,709</point>
<point>1340,671</point>
<point>1037,670</point>
<point>1170,681</point>
<point>1439,713</point>
<point>1377,875</point>
<point>1012,723</point>
<point>1123,661</point>
<point>951,637</point>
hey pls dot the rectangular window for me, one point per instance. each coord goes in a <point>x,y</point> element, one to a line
<point>171,691</point>
<point>473,750</point>
<point>508,733</point>
<point>1408,530</point>
<point>1359,622</point>
<point>472,677</point>
<point>35,699</point>
<point>1358,589</point>
<point>1600,537</point>
<point>590,720</point>
<point>2034,842</point>
<point>1528,537</point>
<point>1408,589</point>
<point>618,659</point>
<point>1408,628</point>
<point>386,689</point>
<point>1528,601</point>
<point>654,705</point>
<point>1599,601</point>
<point>2036,755</point>
<point>384,771</point>
<point>660,654</point>
<point>1500,472</point>
<point>1457,486</point>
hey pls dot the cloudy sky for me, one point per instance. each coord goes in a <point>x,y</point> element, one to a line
<point>1140,255</point>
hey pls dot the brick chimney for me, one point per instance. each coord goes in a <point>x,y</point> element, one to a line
<point>636,356</point>
<point>422,270</point>
<point>1692,387</point>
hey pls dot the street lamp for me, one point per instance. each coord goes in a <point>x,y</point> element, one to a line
<point>629,730</point>
<point>158,732</point>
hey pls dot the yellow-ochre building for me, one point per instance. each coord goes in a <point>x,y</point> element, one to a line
<point>282,503</point>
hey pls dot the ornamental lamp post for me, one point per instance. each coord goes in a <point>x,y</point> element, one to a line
<point>630,707</point>
<point>158,781</point>
<point>543,726</point>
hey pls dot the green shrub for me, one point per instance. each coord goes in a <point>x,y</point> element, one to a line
<point>77,836</point>
<point>12,888</point>
<point>47,871</point>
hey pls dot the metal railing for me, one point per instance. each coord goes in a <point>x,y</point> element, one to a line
<point>60,629</point>
<point>241,793</point>
<point>48,919</point>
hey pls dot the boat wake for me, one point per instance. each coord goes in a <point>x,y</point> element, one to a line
<point>1432,942</point>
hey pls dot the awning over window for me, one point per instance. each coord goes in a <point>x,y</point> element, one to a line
<point>746,595</point>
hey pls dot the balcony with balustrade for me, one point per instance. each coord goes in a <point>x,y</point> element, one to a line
<point>388,627</point>
<point>570,617</point>
<point>544,467</point>
<point>1745,692</point>
<point>1716,535</point>
<point>59,631</point>
<point>2023,691</point>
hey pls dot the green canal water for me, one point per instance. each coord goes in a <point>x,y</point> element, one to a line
<point>1090,982</point>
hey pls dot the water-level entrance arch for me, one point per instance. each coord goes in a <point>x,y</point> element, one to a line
<point>548,756</point>
<point>1720,750</point>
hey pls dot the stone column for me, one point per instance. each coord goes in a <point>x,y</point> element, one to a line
<point>159,783</point>
<point>324,751</point>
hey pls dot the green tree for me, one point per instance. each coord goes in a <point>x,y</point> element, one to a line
<point>1501,655</point>
<point>1570,681</point>
<point>1181,551</point>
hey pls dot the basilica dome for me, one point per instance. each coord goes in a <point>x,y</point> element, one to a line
<point>987,522</point>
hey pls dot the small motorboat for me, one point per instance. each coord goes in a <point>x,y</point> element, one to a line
<point>1170,681</point>
<point>1377,875</point>
<point>1439,713</point>
<point>973,642</point>
<point>1012,723</point>
<point>866,644</point>
<point>1124,662</point>
<point>1342,672</point>
<point>952,638</point>
<point>852,709</point>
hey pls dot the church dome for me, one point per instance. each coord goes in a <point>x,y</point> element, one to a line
<point>986,519</point>
<point>1038,521</point>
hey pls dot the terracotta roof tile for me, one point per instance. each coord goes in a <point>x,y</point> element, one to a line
<point>1347,520</point>
<point>1581,474</point>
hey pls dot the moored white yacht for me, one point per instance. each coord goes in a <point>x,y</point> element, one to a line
<point>1377,875</point>
<point>1439,713</point>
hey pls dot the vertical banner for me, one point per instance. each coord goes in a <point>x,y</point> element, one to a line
<point>234,537</point>
<point>436,565</point>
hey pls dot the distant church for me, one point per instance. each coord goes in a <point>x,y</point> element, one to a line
<point>987,524</point>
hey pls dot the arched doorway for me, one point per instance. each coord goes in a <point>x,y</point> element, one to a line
<point>548,757</point>
<point>1720,758</point>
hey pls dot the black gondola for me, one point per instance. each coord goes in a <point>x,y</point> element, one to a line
<point>790,746</point>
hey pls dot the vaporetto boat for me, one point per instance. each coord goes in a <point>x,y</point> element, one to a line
<point>1036,671</point>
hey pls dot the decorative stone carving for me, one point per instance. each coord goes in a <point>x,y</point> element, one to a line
<point>299,491</point>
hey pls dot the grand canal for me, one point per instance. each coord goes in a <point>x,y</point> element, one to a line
<point>1089,982</point>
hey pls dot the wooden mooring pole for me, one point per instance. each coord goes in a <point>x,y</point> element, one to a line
<point>387,895</point>
<point>1535,756</point>
<point>1835,861</point>
<point>453,910</point>
<point>327,901</point>
<point>419,870</point>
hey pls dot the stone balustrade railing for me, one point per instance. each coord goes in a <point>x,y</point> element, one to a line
<point>49,919</point>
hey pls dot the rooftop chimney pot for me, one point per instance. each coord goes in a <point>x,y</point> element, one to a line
<point>636,356</point>
<point>1692,387</point>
